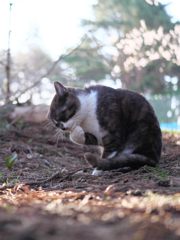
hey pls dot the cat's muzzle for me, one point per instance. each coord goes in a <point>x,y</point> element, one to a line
<point>61,126</point>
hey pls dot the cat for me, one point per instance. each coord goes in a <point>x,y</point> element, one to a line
<point>121,121</point>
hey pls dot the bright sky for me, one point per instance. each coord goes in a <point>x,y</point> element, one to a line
<point>172,8</point>
<point>57,22</point>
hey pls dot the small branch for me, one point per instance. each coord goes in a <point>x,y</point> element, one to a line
<point>57,174</point>
<point>3,64</point>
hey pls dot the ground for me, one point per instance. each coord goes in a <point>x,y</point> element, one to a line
<point>49,192</point>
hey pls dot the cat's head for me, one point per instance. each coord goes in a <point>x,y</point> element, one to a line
<point>63,107</point>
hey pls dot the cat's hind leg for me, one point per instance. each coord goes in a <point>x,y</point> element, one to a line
<point>122,170</point>
<point>113,154</point>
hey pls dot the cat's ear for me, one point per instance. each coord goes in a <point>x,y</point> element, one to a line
<point>60,89</point>
<point>48,115</point>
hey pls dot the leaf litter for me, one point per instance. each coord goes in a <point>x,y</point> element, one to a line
<point>49,192</point>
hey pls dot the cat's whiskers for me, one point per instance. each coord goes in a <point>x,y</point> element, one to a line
<point>57,135</point>
<point>60,134</point>
<point>48,125</point>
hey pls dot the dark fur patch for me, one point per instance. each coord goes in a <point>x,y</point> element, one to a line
<point>63,107</point>
<point>90,139</point>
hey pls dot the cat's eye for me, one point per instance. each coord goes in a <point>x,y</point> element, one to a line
<point>56,120</point>
<point>63,111</point>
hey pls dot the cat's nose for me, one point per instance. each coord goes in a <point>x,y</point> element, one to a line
<point>60,125</point>
<point>63,128</point>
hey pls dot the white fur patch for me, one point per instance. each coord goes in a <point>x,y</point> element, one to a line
<point>90,123</point>
<point>127,151</point>
<point>97,172</point>
<point>86,116</point>
<point>112,154</point>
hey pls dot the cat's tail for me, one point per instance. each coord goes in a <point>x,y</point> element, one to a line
<point>134,161</point>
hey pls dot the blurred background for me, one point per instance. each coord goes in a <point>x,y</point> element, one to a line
<point>132,44</point>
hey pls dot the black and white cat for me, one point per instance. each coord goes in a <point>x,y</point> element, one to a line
<point>121,121</point>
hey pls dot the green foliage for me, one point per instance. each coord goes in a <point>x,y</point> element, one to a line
<point>20,124</point>
<point>148,169</point>
<point>156,167</point>
<point>7,182</point>
<point>48,170</point>
<point>10,160</point>
<point>163,174</point>
<point>1,175</point>
<point>155,172</point>
<point>87,63</point>
<point>124,16</point>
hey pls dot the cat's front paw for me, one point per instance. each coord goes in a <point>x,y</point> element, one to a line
<point>77,135</point>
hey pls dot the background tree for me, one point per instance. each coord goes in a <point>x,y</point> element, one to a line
<point>113,20</point>
<point>26,69</point>
<point>86,64</point>
<point>156,53</point>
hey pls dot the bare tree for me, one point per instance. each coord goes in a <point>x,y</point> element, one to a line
<point>8,67</point>
<point>35,67</point>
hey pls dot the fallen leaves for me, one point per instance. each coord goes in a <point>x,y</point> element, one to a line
<point>97,208</point>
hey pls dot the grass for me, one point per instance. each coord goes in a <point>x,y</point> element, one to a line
<point>161,174</point>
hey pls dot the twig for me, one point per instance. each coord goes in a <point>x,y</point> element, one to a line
<point>2,63</point>
<point>71,173</point>
<point>47,180</point>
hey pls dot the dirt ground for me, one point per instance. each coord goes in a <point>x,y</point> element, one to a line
<point>49,192</point>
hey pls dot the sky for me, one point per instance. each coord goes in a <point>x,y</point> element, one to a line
<point>55,24</point>
<point>172,8</point>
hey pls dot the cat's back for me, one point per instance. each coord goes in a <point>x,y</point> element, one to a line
<point>110,94</point>
<point>113,105</point>
<point>127,103</point>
